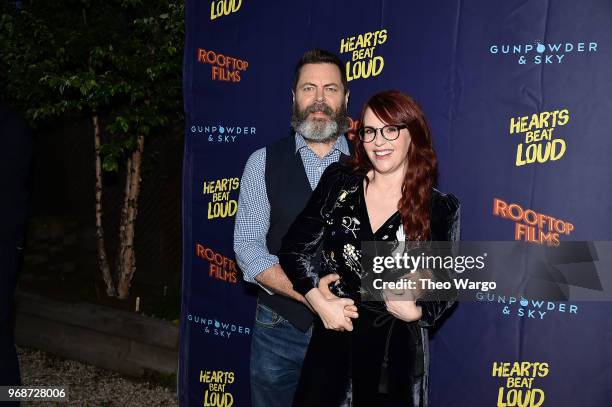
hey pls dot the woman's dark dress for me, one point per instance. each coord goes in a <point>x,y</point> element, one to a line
<point>385,357</point>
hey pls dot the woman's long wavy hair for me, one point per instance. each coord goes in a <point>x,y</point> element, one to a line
<point>394,107</point>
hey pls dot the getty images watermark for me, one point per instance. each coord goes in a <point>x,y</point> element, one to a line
<point>434,271</point>
<point>427,281</point>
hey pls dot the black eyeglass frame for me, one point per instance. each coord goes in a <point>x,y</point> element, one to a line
<point>361,131</point>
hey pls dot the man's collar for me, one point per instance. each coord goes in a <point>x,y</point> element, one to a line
<point>340,144</point>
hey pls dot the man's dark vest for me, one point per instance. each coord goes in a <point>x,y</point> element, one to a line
<point>288,191</point>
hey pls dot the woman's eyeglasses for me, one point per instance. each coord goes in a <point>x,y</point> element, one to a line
<point>390,132</point>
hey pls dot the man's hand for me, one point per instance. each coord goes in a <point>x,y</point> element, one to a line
<point>350,311</point>
<point>331,311</point>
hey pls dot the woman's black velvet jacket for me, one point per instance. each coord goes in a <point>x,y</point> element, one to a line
<point>330,230</point>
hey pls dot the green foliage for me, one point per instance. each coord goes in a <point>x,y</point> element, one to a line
<point>119,59</point>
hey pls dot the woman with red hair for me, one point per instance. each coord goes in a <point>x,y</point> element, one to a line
<point>385,194</point>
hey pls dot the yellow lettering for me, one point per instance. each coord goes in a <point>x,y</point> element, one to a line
<point>346,45</point>
<point>367,39</point>
<point>563,117</point>
<point>535,121</point>
<point>515,125</point>
<point>382,36</point>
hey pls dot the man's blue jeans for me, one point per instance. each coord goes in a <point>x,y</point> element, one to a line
<point>277,353</point>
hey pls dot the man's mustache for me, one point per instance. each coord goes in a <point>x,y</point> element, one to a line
<point>319,107</point>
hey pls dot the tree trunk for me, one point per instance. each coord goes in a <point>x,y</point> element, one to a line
<point>102,259</point>
<point>124,217</point>
<point>127,259</point>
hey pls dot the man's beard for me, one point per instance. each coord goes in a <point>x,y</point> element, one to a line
<point>320,130</point>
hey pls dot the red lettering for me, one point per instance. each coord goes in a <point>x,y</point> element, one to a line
<point>499,208</point>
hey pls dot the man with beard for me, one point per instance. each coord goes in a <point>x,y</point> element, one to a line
<point>277,182</point>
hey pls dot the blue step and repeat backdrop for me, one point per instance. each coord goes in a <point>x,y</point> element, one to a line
<point>519,97</point>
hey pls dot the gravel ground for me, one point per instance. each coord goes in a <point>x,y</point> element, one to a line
<point>89,385</point>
